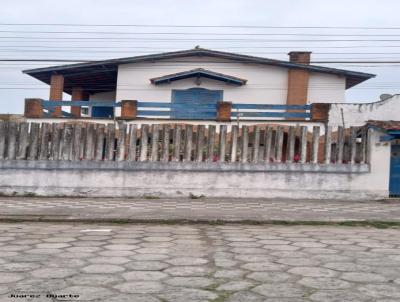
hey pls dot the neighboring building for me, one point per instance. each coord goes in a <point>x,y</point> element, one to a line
<point>199,76</point>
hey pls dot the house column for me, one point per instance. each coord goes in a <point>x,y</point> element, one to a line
<point>56,91</point>
<point>298,79</point>
<point>78,94</point>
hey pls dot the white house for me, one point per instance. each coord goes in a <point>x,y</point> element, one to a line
<point>199,77</point>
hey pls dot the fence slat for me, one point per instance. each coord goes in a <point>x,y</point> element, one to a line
<point>77,146</point>
<point>328,143</point>
<point>44,141</point>
<point>245,143</point>
<point>303,139</point>
<point>99,147</point>
<point>55,141</point>
<point>165,143</point>
<point>353,144</point>
<point>3,132</point>
<point>66,142</point>
<point>267,144</point>
<point>211,143</point>
<point>12,140</point>
<point>234,143</point>
<point>222,143</point>
<point>155,135</point>
<point>177,143</point>
<point>256,143</point>
<point>34,141</point>
<point>144,137</point>
<point>290,144</point>
<point>200,143</point>
<point>121,142</point>
<point>110,142</point>
<point>278,144</point>
<point>188,142</point>
<point>315,144</point>
<point>363,145</point>
<point>368,146</point>
<point>132,142</point>
<point>23,140</point>
<point>340,145</point>
<point>90,142</point>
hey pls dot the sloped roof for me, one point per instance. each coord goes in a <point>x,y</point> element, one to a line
<point>385,125</point>
<point>101,76</point>
<point>198,72</point>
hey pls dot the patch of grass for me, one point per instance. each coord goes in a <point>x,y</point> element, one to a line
<point>222,296</point>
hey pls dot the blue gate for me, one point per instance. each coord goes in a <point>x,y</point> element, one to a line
<point>394,184</point>
<point>195,103</point>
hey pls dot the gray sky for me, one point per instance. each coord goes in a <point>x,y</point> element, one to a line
<point>15,43</point>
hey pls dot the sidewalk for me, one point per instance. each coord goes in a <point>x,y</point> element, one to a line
<point>204,210</point>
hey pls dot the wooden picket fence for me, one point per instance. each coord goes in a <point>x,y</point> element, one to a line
<point>263,143</point>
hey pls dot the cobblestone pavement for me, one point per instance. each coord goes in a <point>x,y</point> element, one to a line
<point>184,263</point>
<point>198,209</point>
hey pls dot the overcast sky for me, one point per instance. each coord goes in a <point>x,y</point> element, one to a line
<point>16,43</point>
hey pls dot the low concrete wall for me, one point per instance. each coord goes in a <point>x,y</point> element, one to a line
<point>183,179</point>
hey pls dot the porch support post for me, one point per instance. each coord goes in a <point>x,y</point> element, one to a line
<point>320,112</point>
<point>78,94</point>
<point>33,108</point>
<point>56,91</point>
<point>128,110</point>
<point>224,111</point>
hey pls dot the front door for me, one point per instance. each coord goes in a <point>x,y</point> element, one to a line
<point>394,184</point>
<point>195,104</point>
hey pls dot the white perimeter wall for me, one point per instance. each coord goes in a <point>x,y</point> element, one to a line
<point>358,114</point>
<point>265,84</point>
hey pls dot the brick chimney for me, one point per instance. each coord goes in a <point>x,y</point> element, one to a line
<point>298,79</point>
<point>301,57</point>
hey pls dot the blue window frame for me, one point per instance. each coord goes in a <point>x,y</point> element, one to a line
<point>195,103</point>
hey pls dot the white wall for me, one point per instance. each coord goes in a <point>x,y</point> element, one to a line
<point>266,84</point>
<point>358,114</point>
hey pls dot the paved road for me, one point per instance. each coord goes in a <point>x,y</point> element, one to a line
<point>197,209</point>
<point>184,263</point>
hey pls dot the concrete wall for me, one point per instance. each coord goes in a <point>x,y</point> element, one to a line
<point>357,114</point>
<point>265,85</point>
<point>114,179</point>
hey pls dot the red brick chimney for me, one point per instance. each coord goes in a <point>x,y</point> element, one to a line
<point>298,79</point>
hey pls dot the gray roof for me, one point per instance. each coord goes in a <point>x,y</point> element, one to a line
<point>99,76</point>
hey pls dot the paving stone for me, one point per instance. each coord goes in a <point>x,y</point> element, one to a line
<point>52,245</point>
<point>184,271</point>
<point>144,275</point>
<point>197,282</point>
<point>229,273</point>
<point>324,283</point>
<point>146,265</point>
<point>280,290</point>
<point>121,247</point>
<point>269,277</point>
<point>235,286</point>
<point>313,271</point>
<point>94,279</point>
<point>245,296</point>
<point>10,277</point>
<point>187,294</point>
<point>339,296</point>
<point>149,257</point>
<point>187,261</point>
<point>102,269</point>
<point>299,261</point>
<point>263,266</point>
<point>140,287</point>
<point>132,298</point>
<point>59,239</point>
<point>362,277</point>
<point>18,266</point>
<point>42,251</point>
<point>39,285</point>
<point>109,260</point>
<point>86,293</point>
<point>110,253</point>
<point>51,273</point>
<point>346,266</point>
<point>380,290</point>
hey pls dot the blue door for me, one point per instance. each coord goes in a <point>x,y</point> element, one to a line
<point>195,103</point>
<point>102,112</point>
<point>394,184</point>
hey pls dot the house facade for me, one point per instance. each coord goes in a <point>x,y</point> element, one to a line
<point>199,77</point>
